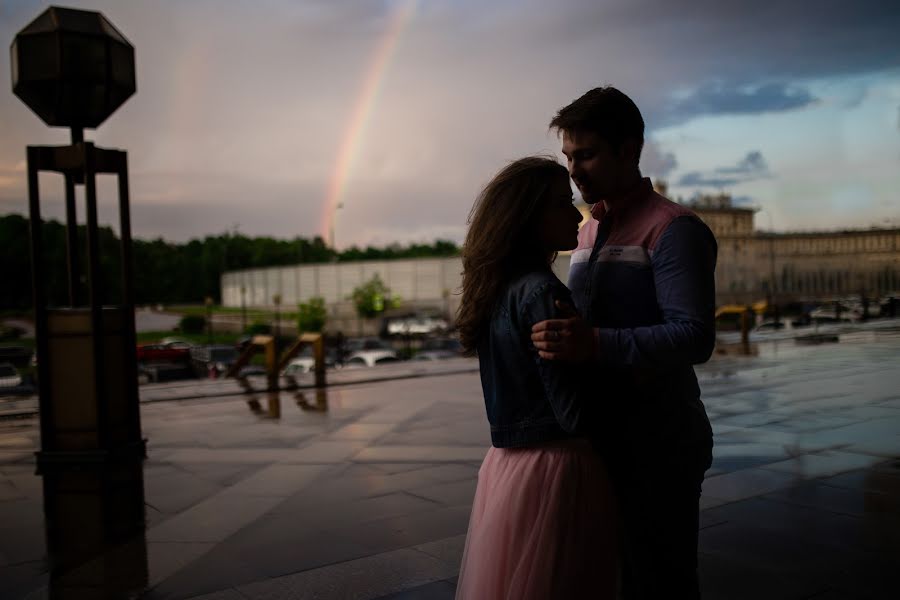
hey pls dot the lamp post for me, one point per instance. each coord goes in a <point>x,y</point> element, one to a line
<point>331,241</point>
<point>772,283</point>
<point>73,68</point>
<point>243,309</point>
<point>209,305</point>
<point>276,300</point>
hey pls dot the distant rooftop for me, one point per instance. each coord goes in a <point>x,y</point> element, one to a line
<point>721,201</point>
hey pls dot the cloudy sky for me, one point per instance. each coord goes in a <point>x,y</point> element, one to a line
<point>257,116</point>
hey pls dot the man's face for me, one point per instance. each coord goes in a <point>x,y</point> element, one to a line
<point>593,165</point>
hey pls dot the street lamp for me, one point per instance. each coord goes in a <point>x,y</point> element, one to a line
<point>772,284</point>
<point>73,68</point>
<point>243,308</point>
<point>276,300</point>
<point>209,305</point>
<point>331,240</point>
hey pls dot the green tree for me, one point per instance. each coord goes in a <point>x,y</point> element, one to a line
<point>312,316</point>
<point>167,272</point>
<point>371,296</point>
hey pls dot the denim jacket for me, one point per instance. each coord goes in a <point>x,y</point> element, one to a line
<point>529,400</point>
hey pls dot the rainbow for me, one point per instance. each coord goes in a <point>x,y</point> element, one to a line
<point>362,111</point>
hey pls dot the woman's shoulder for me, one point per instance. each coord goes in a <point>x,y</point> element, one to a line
<point>527,286</point>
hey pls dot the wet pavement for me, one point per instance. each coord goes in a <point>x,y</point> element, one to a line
<point>364,491</point>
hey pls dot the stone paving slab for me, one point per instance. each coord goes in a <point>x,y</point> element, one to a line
<point>365,491</point>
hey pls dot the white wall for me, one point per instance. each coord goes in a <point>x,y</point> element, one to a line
<point>417,281</point>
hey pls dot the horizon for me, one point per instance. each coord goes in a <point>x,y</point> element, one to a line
<point>406,109</point>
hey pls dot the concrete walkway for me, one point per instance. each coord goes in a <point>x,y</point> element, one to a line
<point>364,492</point>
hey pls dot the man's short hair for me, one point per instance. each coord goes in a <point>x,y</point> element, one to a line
<point>605,111</point>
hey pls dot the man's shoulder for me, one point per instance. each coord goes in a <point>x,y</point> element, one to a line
<point>657,211</point>
<point>653,218</point>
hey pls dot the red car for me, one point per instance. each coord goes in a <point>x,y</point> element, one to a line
<point>174,352</point>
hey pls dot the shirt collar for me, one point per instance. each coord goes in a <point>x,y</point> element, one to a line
<point>628,201</point>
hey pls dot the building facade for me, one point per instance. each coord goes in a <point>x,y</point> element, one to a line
<point>797,266</point>
<point>753,265</point>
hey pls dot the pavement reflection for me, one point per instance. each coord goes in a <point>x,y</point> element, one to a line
<point>364,489</point>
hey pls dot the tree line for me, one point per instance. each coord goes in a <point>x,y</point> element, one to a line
<point>168,272</point>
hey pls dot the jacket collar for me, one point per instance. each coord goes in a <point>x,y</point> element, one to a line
<point>634,197</point>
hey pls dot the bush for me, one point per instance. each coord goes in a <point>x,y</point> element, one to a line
<point>259,328</point>
<point>192,324</point>
<point>370,298</point>
<point>311,316</point>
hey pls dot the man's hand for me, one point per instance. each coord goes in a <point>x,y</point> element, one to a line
<point>568,339</point>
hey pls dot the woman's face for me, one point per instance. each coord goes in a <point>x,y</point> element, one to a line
<point>558,222</point>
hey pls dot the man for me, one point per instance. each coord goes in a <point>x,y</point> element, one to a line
<point>642,279</point>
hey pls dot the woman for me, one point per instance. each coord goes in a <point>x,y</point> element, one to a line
<point>542,523</point>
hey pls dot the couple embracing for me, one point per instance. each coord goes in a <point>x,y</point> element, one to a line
<point>600,441</point>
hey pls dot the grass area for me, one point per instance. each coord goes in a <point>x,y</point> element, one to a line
<point>200,309</point>
<point>266,316</point>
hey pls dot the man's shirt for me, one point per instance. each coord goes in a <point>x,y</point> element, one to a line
<point>643,275</point>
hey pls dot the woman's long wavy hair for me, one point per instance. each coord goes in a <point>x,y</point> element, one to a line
<point>502,241</point>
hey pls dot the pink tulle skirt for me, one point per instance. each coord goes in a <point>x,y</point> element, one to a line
<point>542,527</point>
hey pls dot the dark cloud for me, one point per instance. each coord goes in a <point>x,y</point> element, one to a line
<point>755,39</point>
<point>719,98</point>
<point>698,179</point>
<point>259,97</point>
<point>753,166</point>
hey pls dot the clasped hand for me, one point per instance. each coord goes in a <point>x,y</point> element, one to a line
<point>569,339</point>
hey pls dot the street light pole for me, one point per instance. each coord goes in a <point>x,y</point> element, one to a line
<point>276,299</point>
<point>331,240</point>
<point>74,69</point>
<point>209,305</point>
<point>772,283</point>
<point>243,309</point>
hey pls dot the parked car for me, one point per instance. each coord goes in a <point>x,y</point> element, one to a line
<point>18,356</point>
<point>439,349</point>
<point>298,366</point>
<point>176,342</point>
<point>304,362</point>
<point>366,343</point>
<point>770,326</point>
<point>212,360</point>
<point>248,370</point>
<point>828,314</point>
<point>9,376</point>
<point>371,358</point>
<point>173,352</point>
<point>416,324</point>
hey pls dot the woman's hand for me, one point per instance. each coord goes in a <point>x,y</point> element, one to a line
<point>569,339</point>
